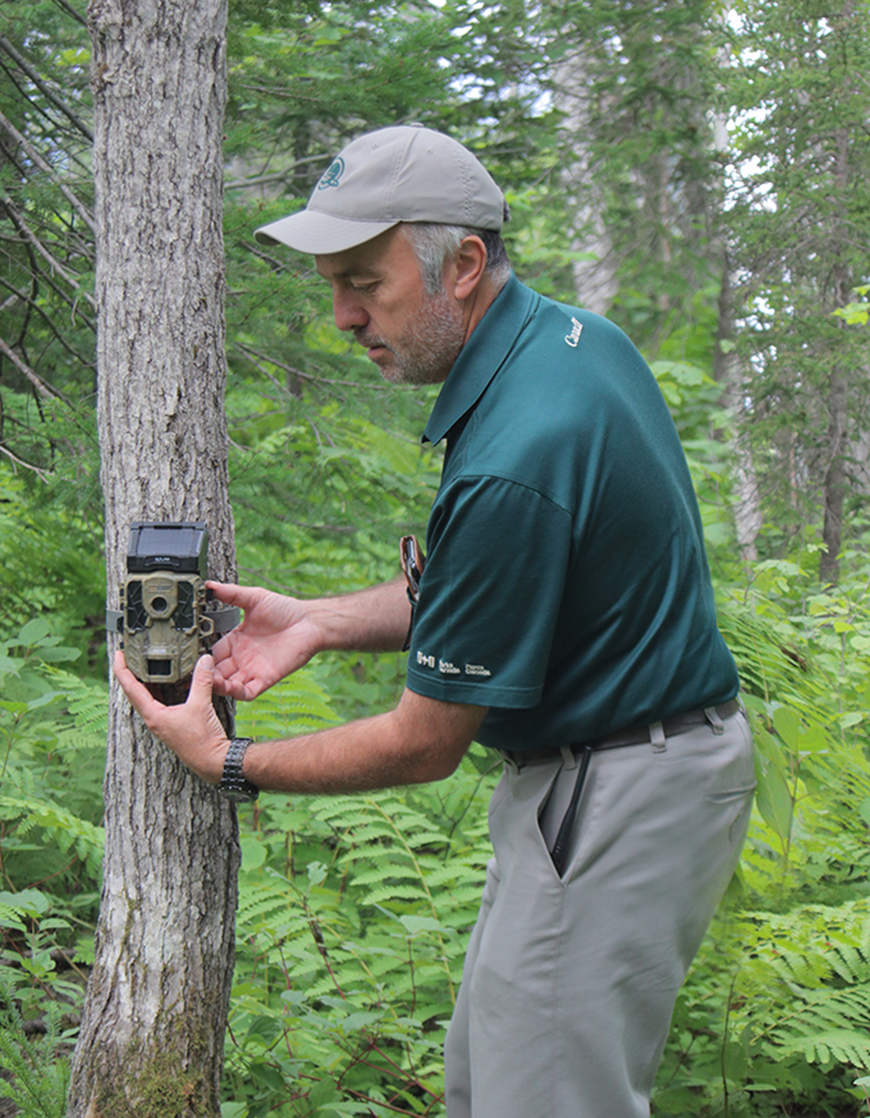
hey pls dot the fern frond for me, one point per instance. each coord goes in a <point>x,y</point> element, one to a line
<point>395,893</point>
<point>259,902</point>
<point>12,917</point>
<point>39,1073</point>
<point>836,1046</point>
<point>87,703</point>
<point>390,868</point>
<point>805,987</point>
<point>67,829</point>
<point>297,705</point>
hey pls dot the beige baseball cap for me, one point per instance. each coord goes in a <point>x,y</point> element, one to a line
<point>406,173</point>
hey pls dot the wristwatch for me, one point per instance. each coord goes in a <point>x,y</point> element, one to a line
<point>233,784</point>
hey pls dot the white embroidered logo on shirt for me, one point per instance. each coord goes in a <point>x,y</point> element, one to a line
<point>576,330</point>
<point>447,667</point>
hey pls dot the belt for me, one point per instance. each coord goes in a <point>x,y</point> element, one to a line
<point>632,735</point>
<point>655,732</point>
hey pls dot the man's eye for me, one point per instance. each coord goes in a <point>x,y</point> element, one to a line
<point>364,288</point>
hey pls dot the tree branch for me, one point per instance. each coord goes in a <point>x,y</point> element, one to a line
<point>71,11</point>
<point>42,386</point>
<point>21,295</point>
<point>40,473</point>
<point>28,233</point>
<point>42,86</point>
<point>31,151</point>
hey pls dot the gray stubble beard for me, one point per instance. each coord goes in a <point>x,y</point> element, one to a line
<point>427,355</point>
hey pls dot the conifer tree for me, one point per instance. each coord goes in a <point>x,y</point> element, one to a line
<point>800,242</point>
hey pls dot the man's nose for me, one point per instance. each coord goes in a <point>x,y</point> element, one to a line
<point>348,310</point>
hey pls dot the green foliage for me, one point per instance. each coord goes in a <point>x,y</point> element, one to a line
<point>353,914</point>
<point>354,911</point>
<point>819,954</point>
<point>774,1014</point>
<point>47,321</point>
<point>37,1065</point>
<point>644,77</point>
<point>353,917</point>
<point>856,314</point>
<point>798,213</point>
<point>694,401</point>
<point>51,540</point>
<point>322,500</point>
<point>52,742</point>
<point>784,1022</point>
<point>295,706</point>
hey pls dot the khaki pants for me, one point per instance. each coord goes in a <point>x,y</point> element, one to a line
<point>569,984</point>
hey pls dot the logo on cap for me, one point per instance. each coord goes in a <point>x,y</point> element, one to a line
<point>332,175</point>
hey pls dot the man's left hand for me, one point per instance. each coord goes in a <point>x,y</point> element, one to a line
<point>192,730</point>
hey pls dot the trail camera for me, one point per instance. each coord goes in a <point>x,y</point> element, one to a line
<point>167,617</point>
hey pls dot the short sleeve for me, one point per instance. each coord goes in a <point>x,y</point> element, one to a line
<point>498,554</point>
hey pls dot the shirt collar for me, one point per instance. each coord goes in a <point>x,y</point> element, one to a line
<point>481,357</point>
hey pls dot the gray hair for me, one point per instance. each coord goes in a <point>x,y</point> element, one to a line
<point>432,244</point>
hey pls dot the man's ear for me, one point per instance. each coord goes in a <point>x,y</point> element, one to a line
<point>468,267</point>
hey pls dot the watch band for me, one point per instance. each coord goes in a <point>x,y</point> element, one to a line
<point>233,784</point>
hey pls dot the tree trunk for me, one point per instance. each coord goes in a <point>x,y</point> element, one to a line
<point>835,479</point>
<point>152,1036</point>
<point>595,266</point>
<point>729,373</point>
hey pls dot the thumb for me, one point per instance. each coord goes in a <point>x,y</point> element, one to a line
<point>203,680</point>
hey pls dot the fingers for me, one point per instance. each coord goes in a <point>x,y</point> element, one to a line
<point>232,595</point>
<point>226,671</point>
<point>152,709</point>
<point>192,730</point>
<point>138,694</point>
<point>236,686</point>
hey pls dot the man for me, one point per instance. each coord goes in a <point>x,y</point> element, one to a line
<point>564,617</point>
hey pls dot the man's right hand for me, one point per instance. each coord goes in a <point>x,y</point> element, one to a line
<point>274,639</point>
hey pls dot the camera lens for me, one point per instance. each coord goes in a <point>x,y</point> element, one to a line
<point>159,604</point>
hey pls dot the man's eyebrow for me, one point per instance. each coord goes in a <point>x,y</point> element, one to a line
<point>361,270</point>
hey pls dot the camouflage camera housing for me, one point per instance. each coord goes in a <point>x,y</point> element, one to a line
<point>164,602</point>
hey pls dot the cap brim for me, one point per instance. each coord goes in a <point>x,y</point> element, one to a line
<point>320,233</point>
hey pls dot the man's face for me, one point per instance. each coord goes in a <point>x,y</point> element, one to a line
<point>379,294</point>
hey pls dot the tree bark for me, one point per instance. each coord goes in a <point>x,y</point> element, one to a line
<point>152,1035</point>
<point>835,479</point>
<point>729,373</point>
<point>595,266</point>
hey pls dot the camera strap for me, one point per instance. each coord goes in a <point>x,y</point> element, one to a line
<point>224,619</point>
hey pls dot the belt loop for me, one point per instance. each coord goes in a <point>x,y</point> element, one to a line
<point>509,762</point>
<point>712,716</point>
<point>569,758</point>
<point>657,737</point>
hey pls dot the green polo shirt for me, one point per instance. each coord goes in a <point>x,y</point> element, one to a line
<point>566,585</point>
